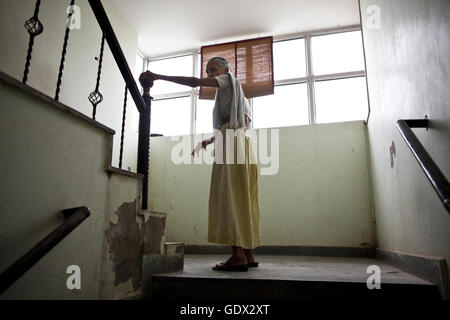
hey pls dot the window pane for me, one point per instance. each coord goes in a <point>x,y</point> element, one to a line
<point>342,52</point>
<point>138,69</point>
<point>199,65</point>
<point>289,59</point>
<point>287,107</point>
<point>204,121</point>
<point>180,66</point>
<point>341,100</point>
<point>171,117</point>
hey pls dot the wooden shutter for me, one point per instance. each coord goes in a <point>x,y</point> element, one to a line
<point>251,61</point>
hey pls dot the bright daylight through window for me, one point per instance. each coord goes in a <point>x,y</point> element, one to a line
<point>318,79</point>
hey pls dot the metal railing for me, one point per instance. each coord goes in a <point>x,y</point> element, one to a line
<point>73,218</point>
<point>142,102</point>
<point>432,171</point>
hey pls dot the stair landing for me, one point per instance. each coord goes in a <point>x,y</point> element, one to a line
<point>288,278</point>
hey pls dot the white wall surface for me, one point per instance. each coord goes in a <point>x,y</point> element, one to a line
<point>52,160</point>
<point>319,197</point>
<point>80,70</point>
<point>408,70</point>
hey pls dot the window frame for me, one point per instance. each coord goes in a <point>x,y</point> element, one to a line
<point>309,79</point>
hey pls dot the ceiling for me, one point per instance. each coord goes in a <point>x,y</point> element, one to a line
<point>168,26</point>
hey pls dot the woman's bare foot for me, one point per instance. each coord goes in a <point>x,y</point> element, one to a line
<point>237,257</point>
<point>249,255</point>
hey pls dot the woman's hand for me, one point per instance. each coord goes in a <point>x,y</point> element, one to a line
<point>146,79</point>
<point>201,145</point>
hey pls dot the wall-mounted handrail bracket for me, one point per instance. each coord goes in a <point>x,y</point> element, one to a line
<point>432,171</point>
<point>67,213</point>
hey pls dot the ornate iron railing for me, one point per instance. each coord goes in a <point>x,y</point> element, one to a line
<point>142,102</point>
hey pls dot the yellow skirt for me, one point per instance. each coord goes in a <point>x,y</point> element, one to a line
<point>234,216</point>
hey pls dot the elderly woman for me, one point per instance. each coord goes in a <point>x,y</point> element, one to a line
<point>234,216</point>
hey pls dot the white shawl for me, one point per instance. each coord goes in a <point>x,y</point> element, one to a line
<point>239,106</point>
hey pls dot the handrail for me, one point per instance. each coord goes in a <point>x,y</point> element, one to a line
<point>74,217</point>
<point>432,171</point>
<point>143,102</point>
<point>116,50</point>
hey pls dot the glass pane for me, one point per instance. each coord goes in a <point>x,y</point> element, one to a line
<point>341,52</point>
<point>204,123</point>
<point>180,66</point>
<point>287,107</point>
<point>138,69</point>
<point>289,59</point>
<point>199,65</point>
<point>171,117</point>
<point>341,100</point>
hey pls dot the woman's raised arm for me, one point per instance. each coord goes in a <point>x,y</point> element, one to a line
<point>147,77</point>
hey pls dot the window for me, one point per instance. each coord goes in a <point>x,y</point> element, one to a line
<point>204,120</point>
<point>318,78</point>
<point>339,78</point>
<point>251,62</point>
<point>341,100</point>
<point>179,66</point>
<point>172,103</point>
<point>171,117</point>
<point>287,107</point>
<point>289,59</point>
<point>341,52</point>
<point>139,68</point>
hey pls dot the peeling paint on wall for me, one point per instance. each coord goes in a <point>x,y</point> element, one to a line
<point>125,250</point>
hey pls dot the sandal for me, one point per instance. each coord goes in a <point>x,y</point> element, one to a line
<point>227,266</point>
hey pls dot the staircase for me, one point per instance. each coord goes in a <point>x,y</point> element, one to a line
<point>170,274</point>
<point>287,278</point>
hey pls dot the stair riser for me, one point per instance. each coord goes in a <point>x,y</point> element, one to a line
<point>213,289</point>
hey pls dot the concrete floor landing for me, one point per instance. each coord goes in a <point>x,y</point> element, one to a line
<point>288,278</point>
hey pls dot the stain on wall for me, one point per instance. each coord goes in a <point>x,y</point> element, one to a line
<point>125,250</point>
<point>392,153</point>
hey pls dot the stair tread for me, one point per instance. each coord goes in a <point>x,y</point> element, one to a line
<point>297,268</point>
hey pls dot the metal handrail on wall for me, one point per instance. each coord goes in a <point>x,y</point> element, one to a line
<point>73,218</point>
<point>432,171</point>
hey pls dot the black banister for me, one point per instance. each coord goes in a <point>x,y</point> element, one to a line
<point>432,171</point>
<point>143,103</point>
<point>117,53</point>
<point>74,217</point>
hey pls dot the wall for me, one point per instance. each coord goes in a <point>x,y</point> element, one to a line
<point>319,197</point>
<point>80,69</point>
<point>408,71</point>
<point>53,160</point>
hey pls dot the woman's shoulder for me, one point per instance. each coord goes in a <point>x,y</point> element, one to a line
<point>224,80</point>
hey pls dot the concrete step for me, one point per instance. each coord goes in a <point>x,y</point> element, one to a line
<point>171,261</point>
<point>287,278</point>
